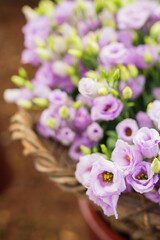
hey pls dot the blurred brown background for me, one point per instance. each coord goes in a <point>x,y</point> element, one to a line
<point>31,207</point>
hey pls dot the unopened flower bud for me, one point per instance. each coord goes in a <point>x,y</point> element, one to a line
<point>92,46</point>
<point>114,92</point>
<point>39,42</point>
<point>155,166</point>
<point>70,70</point>
<point>43,54</point>
<point>51,123</point>
<point>25,104</point>
<point>28,85</point>
<point>149,106</point>
<point>18,81</point>
<point>155,29</point>
<point>85,150</point>
<point>77,104</point>
<point>59,68</point>
<point>116,75</point>
<point>133,70</point>
<point>103,91</point>
<point>75,53</point>
<point>124,74</point>
<point>22,72</point>
<point>41,102</point>
<point>148,57</point>
<point>64,112</point>
<point>127,92</point>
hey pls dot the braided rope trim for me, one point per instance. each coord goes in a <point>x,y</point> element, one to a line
<point>21,129</point>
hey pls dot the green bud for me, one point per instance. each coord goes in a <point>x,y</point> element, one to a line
<point>77,104</point>
<point>43,54</point>
<point>18,81</point>
<point>149,106</point>
<point>116,75</point>
<point>114,92</point>
<point>39,42</point>
<point>133,70</point>
<point>51,123</point>
<point>91,74</point>
<point>70,70</point>
<point>155,166</point>
<point>103,91</point>
<point>95,149</point>
<point>75,53</point>
<point>25,104</point>
<point>22,72</point>
<point>28,85</point>
<point>41,102</point>
<point>51,42</point>
<point>155,29</point>
<point>135,36</point>
<point>92,46</point>
<point>150,41</point>
<point>45,8</point>
<point>124,74</point>
<point>85,150</point>
<point>148,57</point>
<point>104,148</point>
<point>75,80</point>
<point>64,112</point>
<point>159,51</point>
<point>127,92</point>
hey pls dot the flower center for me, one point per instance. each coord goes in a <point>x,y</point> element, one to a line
<point>128,132</point>
<point>107,176</point>
<point>107,108</point>
<point>128,158</point>
<point>142,176</point>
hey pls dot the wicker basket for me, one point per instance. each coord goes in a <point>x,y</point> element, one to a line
<point>138,217</point>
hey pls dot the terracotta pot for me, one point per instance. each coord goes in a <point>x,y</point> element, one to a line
<point>100,230</point>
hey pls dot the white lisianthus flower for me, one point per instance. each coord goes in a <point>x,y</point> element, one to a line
<point>89,87</point>
<point>59,68</point>
<point>11,95</point>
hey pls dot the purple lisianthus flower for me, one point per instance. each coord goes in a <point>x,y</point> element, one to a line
<point>140,52</point>
<point>45,75</point>
<point>125,37</point>
<point>74,151</point>
<point>144,120</point>
<point>66,136</point>
<point>154,196</point>
<point>105,184</point>
<point>132,16</point>
<point>94,132</point>
<point>112,54</point>
<point>30,57</point>
<point>108,204</point>
<point>154,113</point>
<point>127,129</point>
<point>63,11</point>
<point>24,94</point>
<point>84,167</point>
<point>126,156</point>
<point>136,85</point>
<point>156,93</point>
<point>39,27</point>
<point>42,127</point>
<point>57,98</point>
<point>147,140</point>
<point>88,87</point>
<point>82,119</point>
<point>106,36</point>
<point>142,179</point>
<point>65,83</point>
<point>40,90</point>
<point>106,108</point>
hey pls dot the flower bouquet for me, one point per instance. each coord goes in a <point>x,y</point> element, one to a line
<point>95,104</point>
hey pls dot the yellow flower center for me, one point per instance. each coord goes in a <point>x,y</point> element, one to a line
<point>107,176</point>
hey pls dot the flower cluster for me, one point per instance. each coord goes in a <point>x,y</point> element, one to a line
<point>97,90</point>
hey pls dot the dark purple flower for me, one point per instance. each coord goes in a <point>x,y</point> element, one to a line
<point>94,132</point>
